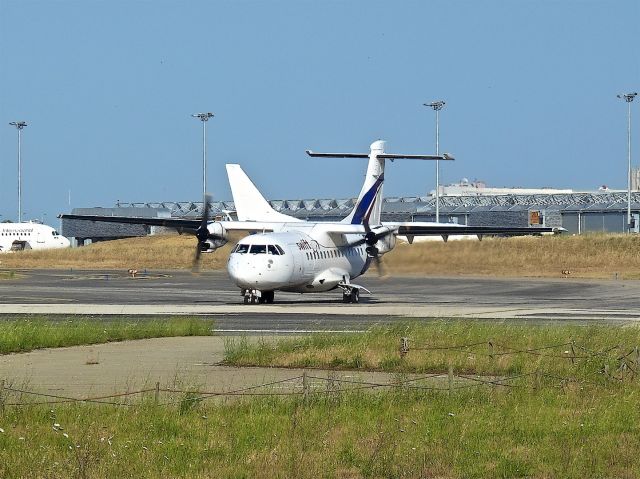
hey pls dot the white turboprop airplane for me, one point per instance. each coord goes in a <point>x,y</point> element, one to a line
<point>22,236</point>
<point>283,253</point>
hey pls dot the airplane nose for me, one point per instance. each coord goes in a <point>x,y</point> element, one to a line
<point>240,273</point>
<point>256,272</point>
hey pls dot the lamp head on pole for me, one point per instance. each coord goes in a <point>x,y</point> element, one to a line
<point>18,124</point>
<point>628,97</point>
<point>203,116</point>
<point>436,105</point>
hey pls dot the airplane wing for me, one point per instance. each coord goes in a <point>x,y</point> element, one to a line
<point>186,225</point>
<point>179,223</point>
<point>444,229</point>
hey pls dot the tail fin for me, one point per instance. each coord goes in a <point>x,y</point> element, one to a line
<point>369,203</point>
<point>250,204</point>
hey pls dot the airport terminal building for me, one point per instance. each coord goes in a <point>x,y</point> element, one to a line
<point>577,212</point>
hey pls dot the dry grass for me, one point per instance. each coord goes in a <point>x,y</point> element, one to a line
<point>152,252</point>
<point>588,256</point>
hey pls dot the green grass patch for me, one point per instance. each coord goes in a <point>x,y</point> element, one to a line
<point>475,347</point>
<point>553,432</point>
<point>9,275</point>
<point>20,335</point>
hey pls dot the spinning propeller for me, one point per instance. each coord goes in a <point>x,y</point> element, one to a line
<point>202,233</point>
<point>370,239</point>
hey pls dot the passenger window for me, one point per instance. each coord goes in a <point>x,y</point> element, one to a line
<point>258,249</point>
<point>272,250</point>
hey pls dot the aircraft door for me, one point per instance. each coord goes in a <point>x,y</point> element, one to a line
<point>309,263</point>
<point>304,263</point>
<point>39,237</point>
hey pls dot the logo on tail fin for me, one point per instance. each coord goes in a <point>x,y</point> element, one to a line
<point>364,208</point>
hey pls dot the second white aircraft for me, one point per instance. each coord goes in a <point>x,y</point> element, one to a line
<point>25,236</point>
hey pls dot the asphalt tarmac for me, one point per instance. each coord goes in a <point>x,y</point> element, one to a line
<point>85,371</point>
<point>394,298</point>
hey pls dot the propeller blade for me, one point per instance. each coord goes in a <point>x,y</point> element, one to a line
<point>202,233</point>
<point>382,271</point>
<point>195,266</point>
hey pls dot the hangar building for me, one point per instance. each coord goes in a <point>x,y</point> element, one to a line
<point>601,211</point>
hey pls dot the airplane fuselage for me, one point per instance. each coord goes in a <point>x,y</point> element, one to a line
<point>21,236</point>
<point>296,261</point>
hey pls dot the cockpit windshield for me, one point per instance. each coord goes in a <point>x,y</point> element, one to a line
<point>55,233</point>
<point>258,249</point>
<point>241,248</point>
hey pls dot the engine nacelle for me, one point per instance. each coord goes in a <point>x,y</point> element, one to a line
<point>386,244</point>
<point>211,245</point>
<point>219,239</point>
<point>216,230</point>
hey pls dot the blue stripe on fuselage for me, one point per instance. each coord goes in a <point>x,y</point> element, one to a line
<point>367,200</point>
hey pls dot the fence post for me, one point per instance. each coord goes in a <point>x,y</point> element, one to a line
<point>331,384</point>
<point>305,386</point>
<point>404,347</point>
<point>573,352</point>
<point>491,349</point>
<point>157,394</point>
<point>450,377</point>
<point>2,396</point>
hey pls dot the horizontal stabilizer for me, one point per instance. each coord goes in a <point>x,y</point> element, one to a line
<point>337,155</point>
<point>386,156</point>
<point>389,156</point>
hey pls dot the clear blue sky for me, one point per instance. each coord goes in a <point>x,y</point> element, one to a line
<point>108,87</point>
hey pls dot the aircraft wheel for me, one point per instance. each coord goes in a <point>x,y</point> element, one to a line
<point>355,295</point>
<point>346,297</point>
<point>246,300</point>
<point>268,296</point>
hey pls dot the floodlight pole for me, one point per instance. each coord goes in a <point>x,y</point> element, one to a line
<point>437,106</point>
<point>204,118</point>
<point>628,97</point>
<point>19,126</point>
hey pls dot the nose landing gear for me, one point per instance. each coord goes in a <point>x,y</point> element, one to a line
<point>254,296</point>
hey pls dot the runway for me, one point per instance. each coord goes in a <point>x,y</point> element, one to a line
<point>395,298</point>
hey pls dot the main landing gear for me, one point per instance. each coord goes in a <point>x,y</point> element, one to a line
<point>351,297</point>
<point>351,292</point>
<point>253,296</point>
